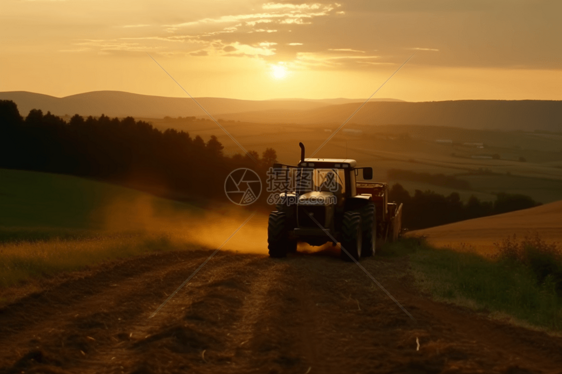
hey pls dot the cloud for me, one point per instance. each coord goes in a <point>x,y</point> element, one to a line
<point>292,6</point>
<point>345,50</point>
<point>199,53</point>
<point>424,49</point>
<point>168,38</point>
<point>272,12</point>
<point>106,47</point>
<point>356,34</point>
<point>268,32</point>
<point>253,23</point>
<point>260,50</point>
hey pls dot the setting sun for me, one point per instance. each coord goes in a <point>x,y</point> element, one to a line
<point>278,71</point>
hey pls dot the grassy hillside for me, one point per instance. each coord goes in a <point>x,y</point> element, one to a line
<point>502,287</point>
<point>33,200</point>
<point>50,224</point>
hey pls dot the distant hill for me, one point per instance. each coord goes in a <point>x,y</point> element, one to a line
<point>471,114</point>
<point>121,104</point>
<point>525,115</point>
<point>340,101</point>
<point>482,233</point>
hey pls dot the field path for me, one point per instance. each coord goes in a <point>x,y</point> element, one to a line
<point>245,313</point>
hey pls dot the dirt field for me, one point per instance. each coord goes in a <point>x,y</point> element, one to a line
<point>481,234</point>
<point>247,313</point>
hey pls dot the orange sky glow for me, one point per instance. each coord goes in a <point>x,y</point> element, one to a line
<point>249,49</point>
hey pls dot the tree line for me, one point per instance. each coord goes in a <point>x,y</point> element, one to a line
<point>123,151</point>
<point>426,209</point>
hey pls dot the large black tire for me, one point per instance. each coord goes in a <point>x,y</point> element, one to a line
<point>369,223</point>
<point>277,235</point>
<point>291,222</point>
<point>351,236</point>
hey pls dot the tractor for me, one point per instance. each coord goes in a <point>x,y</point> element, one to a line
<point>324,202</point>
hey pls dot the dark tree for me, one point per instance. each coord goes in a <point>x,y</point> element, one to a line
<point>427,208</point>
<point>269,157</point>
<point>509,202</point>
<point>123,151</point>
<point>214,147</point>
<point>9,114</point>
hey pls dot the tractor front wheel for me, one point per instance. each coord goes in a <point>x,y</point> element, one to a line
<point>277,235</point>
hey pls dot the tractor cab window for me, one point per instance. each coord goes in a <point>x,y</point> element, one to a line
<point>329,180</point>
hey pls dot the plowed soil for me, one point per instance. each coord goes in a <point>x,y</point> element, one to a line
<point>247,313</point>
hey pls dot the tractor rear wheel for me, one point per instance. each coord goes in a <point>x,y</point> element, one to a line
<point>351,236</point>
<point>369,222</point>
<point>277,235</point>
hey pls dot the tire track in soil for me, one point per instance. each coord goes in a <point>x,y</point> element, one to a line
<point>314,320</point>
<point>289,338</point>
<point>97,316</point>
<point>204,332</point>
<point>188,325</point>
<point>343,317</point>
<point>41,307</point>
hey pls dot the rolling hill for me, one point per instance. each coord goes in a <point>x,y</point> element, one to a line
<point>482,233</point>
<point>122,104</point>
<point>526,115</point>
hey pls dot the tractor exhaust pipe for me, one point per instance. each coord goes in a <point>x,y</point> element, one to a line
<point>302,151</point>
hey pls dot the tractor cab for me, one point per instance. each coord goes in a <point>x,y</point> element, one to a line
<point>330,175</point>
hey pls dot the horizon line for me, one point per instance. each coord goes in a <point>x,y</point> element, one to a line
<point>384,99</point>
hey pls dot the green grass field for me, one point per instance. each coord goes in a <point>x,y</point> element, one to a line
<point>60,202</point>
<point>505,289</point>
<point>54,223</point>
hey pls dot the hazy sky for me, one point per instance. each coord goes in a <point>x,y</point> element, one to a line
<point>250,49</point>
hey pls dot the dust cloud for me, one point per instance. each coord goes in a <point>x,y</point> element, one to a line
<point>208,228</point>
